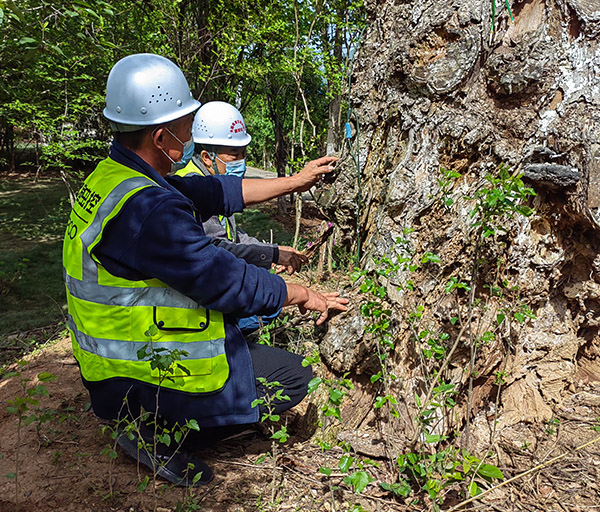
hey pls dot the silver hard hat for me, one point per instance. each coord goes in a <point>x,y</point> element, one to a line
<point>146,89</point>
<point>220,124</point>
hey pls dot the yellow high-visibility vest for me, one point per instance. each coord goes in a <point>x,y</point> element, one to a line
<point>227,222</point>
<point>110,318</point>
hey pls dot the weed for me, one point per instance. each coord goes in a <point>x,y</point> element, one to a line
<point>166,362</point>
<point>553,424</point>
<point>279,435</point>
<point>433,464</point>
<point>437,470</point>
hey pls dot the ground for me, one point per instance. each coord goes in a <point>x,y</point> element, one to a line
<point>61,466</point>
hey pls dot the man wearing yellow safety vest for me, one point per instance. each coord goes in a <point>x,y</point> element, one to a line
<point>143,279</point>
<point>220,143</point>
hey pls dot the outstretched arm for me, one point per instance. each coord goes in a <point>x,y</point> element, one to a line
<point>256,191</point>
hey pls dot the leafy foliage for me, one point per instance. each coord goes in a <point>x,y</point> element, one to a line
<point>281,62</point>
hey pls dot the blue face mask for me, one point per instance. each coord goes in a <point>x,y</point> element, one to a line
<point>235,168</point>
<point>188,149</point>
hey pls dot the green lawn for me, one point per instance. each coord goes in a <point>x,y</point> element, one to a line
<point>32,221</point>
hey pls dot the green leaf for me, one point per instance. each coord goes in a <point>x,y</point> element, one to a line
<point>183,369</point>
<point>26,41</point>
<point>11,5</point>
<point>359,481</point>
<point>376,377</point>
<point>335,396</point>
<point>108,44</point>
<point>346,463</point>
<point>430,257</point>
<point>143,484</point>
<point>29,420</point>
<point>399,489</point>
<point>46,377</point>
<point>281,435</point>
<point>1,16</point>
<point>314,384</point>
<point>197,477</point>
<point>141,353</point>
<point>11,475</point>
<point>489,471</point>
<point>474,489</point>
<point>325,471</point>
<point>193,425</point>
<point>431,438</point>
<point>152,331</point>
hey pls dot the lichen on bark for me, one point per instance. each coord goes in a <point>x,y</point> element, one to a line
<point>433,88</point>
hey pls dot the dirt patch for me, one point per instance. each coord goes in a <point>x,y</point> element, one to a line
<point>60,467</point>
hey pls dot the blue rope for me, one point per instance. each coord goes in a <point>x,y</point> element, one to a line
<point>354,150</point>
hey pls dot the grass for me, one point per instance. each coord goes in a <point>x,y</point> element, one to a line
<point>33,216</point>
<point>260,225</point>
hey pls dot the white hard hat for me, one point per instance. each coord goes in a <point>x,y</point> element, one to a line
<point>146,89</point>
<point>220,124</point>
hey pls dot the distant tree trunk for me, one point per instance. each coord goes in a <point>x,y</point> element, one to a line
<point>435,89</point>
<point>280,152</point>
<point>204,58</point>
<point>334,133</point>
<point>7,146</point>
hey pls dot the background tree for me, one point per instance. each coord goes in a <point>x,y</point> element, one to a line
<point>267,57</point>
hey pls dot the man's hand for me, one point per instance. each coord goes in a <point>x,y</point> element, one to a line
<point>313,171</point>
<point>310,300</point>
<point>290,259</point>
<point>257,191</point>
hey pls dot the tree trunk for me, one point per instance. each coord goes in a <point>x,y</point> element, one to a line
<point>335,104</point>
<point>280,160</point>
<point>434,89</point>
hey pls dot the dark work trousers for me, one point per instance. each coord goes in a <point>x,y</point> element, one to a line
<point>274,365</point>
<point>271,363</point>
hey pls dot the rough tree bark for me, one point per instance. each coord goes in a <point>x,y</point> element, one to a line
<point>434,88</point>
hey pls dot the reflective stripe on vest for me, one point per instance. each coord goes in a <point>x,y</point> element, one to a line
<point>228,223</point>
<point>110,317</point>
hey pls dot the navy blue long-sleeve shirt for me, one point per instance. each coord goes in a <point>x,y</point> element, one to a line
<point>158,234</point>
